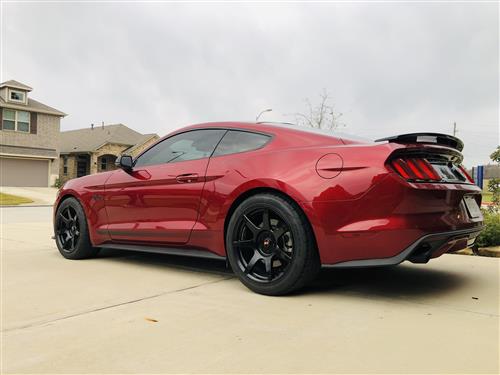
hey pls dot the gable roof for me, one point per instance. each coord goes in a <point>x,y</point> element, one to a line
<point>89,140</point>
<point>32,106</point>
<point>16,85</point>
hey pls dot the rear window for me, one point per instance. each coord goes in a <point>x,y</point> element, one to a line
<point>239,141</point>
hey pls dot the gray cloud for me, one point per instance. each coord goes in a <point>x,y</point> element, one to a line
<point>391,68</point>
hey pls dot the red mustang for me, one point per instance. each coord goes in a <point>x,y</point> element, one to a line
<point>277,201</point>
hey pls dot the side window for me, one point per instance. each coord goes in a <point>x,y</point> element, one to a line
<point>191,145</point>
<point>238,141</point>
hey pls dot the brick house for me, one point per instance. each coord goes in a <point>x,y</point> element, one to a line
<point>95,149</point>
<point>29,138</point>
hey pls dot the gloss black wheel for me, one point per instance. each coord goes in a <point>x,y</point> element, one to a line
<point>71,231</point>
<point>270,245</point>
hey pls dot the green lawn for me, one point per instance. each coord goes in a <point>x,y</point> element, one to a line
<point>487,197</point>
<point>11,200</point>
<point>486,194</point>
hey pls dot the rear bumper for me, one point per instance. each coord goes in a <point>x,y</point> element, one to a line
<point>421,251</point>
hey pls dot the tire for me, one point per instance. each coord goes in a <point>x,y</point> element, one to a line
<point>274,253</point>
<point>71,231</point>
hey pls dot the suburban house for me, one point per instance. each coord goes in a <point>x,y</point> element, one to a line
<point>29,138</point>
<point>95,149</point>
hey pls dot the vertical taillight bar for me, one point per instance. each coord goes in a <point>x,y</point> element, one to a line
<point>415,169</point>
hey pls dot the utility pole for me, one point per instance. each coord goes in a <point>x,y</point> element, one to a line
<point>455,131</point>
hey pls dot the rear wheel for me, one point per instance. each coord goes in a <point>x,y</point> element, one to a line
<point>270,245</point>
<point>71,231</point>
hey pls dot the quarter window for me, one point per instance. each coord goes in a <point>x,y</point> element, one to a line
<point>239,141</point>
<point>16,120</point>
<point>191,145</point>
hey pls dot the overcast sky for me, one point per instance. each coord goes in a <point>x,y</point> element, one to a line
<point>390,68</point>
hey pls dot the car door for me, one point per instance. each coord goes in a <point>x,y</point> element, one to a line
<point>158,201</point>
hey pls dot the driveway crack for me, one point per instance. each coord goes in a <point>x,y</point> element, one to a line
<point>98,309</point>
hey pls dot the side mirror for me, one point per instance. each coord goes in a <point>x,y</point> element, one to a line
<point>124,162</point>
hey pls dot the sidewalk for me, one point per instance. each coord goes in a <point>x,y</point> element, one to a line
<point>41,196</point>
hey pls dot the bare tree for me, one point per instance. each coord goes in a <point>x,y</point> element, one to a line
<point>320,116</point>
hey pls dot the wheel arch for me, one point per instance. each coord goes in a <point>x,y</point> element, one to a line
<point>261,190</point>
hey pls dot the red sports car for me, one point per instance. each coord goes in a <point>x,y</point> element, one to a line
<point>277,201</point>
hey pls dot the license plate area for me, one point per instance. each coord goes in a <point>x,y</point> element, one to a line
<point>472,207</point>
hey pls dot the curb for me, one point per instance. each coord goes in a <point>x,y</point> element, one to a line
<point>492,252</point>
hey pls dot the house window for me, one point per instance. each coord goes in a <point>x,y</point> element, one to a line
<point>17,96</point>
<point>65,165</point>
<point>104,163</point>
<point>16,120</point>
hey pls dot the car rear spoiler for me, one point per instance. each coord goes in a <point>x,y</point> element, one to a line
<point>434,138</point>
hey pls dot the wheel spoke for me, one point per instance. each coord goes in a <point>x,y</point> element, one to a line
<point>64,219</point>
<point>70,213</point>
<point>283,255</point>
<point>251,264</point>
<point>268,262</point>
<point>250,225</point>
<point>266,224</point>
<point>278,232</point>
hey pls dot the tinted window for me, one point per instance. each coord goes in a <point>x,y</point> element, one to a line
<point>192,145</point>
<point>239,141</point>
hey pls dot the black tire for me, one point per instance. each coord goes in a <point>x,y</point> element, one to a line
<point>71,231</point>
<point>274,254</point>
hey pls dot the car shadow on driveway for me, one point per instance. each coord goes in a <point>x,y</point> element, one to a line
<point>211,266</point>
<point>405,279</point>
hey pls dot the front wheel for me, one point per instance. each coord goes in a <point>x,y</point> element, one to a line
<point>270,245</point>
<point>71,231</point>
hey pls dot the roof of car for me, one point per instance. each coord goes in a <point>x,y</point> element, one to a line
<point>282,128</point>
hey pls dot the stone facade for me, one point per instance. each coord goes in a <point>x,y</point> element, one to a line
<point>109,152</point>
<point>135,151</point>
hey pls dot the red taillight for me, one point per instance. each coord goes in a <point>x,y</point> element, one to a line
<point>412,163</point>
<point>415,169</point>
<point>428,169</point>
<point>399,165</point>
<point>464,172</point>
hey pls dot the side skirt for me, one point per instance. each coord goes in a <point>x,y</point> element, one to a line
<point>163,250</point>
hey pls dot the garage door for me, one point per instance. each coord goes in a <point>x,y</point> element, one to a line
<point>24,172</point>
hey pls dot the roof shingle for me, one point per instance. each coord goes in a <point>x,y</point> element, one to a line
<point>89,140</point>
<point>15,84</point>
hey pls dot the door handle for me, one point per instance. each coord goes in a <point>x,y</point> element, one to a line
<point>187,178</point>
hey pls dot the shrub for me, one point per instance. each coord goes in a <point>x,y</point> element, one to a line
<point>490,236</point>
<point>58,183</point>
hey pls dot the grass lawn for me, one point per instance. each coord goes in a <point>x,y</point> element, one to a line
<point>11,200</point>
<point>486,194</point>
<point>487,197</point>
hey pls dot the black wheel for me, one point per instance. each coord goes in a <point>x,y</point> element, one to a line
<point>270,245</point>
<point>71,231</point>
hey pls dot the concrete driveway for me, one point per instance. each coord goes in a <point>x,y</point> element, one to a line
<point>140,313</point>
